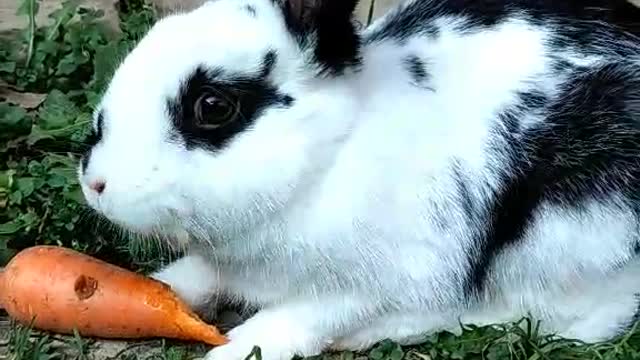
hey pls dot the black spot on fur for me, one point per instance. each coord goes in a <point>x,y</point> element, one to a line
<point>251,10</point>
<point>560,66</point>
<point>533,100</point>
<point>95,136</point>
<point>464,194</point>
<point>327,25</point>
<point>588,148</point>
<point>529,103</point>
<point>580,25</point>
<point>417,18</point>
<point>403,25</point>
<point>268,63</point>
<point>84,163</point>
<point>509,119</point>
<point>574,20</point>
<point>96,132</point>
<point>417,69</point>
<point>255,94</point>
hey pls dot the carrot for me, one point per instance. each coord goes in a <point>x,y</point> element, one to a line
<point>59,290</point>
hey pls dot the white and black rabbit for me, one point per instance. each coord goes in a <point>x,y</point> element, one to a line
<point>469,161</point>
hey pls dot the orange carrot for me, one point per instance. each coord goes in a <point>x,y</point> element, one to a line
<point>59,290</point>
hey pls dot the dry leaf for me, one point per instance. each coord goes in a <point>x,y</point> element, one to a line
<point>26,100</point>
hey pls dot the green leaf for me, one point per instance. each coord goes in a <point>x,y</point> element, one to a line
<point>29,219</point>
<point>38,182</point>
<point>15,197</point>
<point>9,66</point>
<point>70,63</point>
<point>52,160</point>
<point>63,14</point>
<point>11,227</point>
<point>376,354</point>
<point>11,115</point>
<point>28,7</point>
<point>67,173</point>
<point>396,354</point>
<point>58,111</point>
<point>26,186</point>
<point>90,15</point>
<point>56,181</point>
<point>94,97</point>
<point>106,60</point>
<point>6,179</point>
<point>75,195</point>
<point>39,62</point>
<point>49,47</point>
<point>35,168</point>
<point>38,134</point>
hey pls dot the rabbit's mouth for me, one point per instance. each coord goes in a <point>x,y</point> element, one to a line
<point>164,229</point>
<point>143,215</point>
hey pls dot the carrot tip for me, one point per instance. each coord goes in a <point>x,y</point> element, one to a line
<point>88,288</point>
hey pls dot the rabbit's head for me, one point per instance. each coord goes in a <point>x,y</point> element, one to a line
<point>220,115</point>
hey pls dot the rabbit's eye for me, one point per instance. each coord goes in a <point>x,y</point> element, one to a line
<point>213,110</point>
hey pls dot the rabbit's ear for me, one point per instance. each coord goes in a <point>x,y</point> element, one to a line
<point>330,21</point>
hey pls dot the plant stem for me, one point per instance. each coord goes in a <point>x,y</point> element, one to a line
<point>32,30</point>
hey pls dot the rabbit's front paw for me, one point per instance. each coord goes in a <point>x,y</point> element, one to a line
<point>277,337</point>
<point>192,278</point>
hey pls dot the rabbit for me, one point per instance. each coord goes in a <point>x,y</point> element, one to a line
<point>454,161</point>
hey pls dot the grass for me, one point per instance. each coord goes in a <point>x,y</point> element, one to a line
<point>517,341</point>
<point>51,75</point>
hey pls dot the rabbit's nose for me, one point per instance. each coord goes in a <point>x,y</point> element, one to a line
<point>98,186</point>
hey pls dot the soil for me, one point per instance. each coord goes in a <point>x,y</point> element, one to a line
<point>64,347</point>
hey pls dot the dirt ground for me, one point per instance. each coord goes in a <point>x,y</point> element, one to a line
<point>64,348</point>
<point>4,335</point>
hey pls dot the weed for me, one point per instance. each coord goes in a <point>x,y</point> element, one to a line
<point>66,64</point>
<point>23,344</point>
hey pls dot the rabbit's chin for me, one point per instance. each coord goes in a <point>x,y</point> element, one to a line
<point>143,219</point>
<point>170,233</point>
<point>150,224</point>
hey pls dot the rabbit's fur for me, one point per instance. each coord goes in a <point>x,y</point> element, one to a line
<point>471,161</point>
